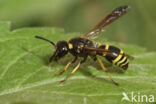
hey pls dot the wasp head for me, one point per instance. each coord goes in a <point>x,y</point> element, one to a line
<point>61,48</point>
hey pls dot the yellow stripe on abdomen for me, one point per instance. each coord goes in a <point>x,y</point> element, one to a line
<point>124,63</point>
<point>118,63</point>
<point>106,48</point>
<point>118,58</point>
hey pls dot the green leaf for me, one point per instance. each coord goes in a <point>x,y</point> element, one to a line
<point>26,76</point>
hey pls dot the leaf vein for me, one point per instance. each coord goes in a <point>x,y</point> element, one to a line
<point>18,58</point>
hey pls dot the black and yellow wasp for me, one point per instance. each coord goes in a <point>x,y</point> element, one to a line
<point>84,47</point>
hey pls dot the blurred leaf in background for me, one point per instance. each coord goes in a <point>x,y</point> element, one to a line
<point>26,76</point>
<point>137,27</point>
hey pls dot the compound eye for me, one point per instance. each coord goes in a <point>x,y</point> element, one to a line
<point>64,49</point>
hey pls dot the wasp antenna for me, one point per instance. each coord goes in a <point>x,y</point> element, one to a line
<point>45,40</point>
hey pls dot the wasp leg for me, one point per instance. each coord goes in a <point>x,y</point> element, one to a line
<point>66,67</point>
<point>51,58</point>
<point>74,70</point>
<point>105,70</point>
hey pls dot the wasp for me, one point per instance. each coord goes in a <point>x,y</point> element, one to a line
<point>84,47</point>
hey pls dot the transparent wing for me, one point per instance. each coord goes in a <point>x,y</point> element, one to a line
<point>98,50</point>
<point>115,14</point>
<point>129,57</point>
<point>105,51</point>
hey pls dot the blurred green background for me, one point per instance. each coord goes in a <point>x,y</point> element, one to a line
<point>136,27</point>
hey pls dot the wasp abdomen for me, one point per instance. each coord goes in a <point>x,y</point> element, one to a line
<point>116,56</point>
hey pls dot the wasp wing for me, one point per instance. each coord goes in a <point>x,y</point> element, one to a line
<point>95,49</point>
<point>129,57</point>
<point>98,50</point>
<point>115,14</point>
<point>105,51</point>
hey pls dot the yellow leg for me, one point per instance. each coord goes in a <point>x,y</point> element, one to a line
<point>105,70</point>
<point>65,68</point>
<point>73,71</point>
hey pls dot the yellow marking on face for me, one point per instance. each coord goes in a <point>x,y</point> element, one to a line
<point>118,58</point>
<point>106,48</point>
<point>70,46</point>
<point>124,63</point>
<point>121,61</point>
